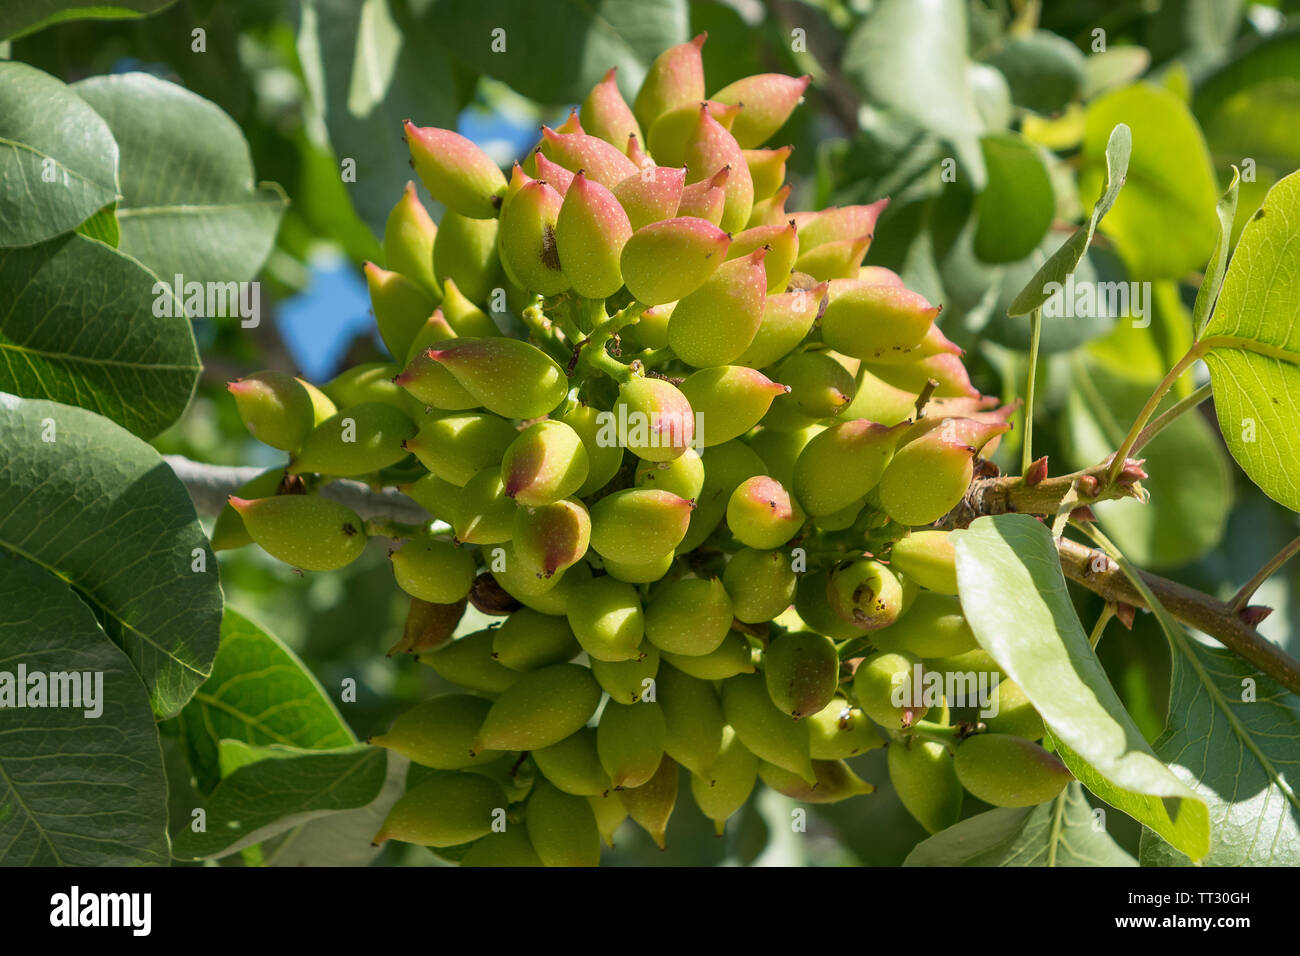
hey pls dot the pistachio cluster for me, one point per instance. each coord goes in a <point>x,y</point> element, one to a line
<point>687,445</point>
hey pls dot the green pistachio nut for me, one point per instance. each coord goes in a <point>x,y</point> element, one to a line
<point>448,810</point>
<point>539,709</point>
<point>1009,771</point>
<point>926,783</point>
<point>455,171</point>
<point>311,533</point>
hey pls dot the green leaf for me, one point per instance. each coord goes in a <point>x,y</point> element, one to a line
<point>1190,484</point>
<point>58,160</point>
<point>102,226</point>
<point>1242,758</point>
<point>1044,71</point>
<point>1063,261</point>
<point>366,74</point>
<point>1212,283</point>
<point>1250,105</point>
<point>1252,347</point>
<point>1163,225</point>
<point>1015,209</point>
<point>259,693</point>
<point>1060,333</point>
<point>555,52</point>
<point>1117,66</point>
<point>269,796</point>
<point>1233,735</point>
<point>340,839</point>
<point>20,17</point>
<point>1014,596</point>
<point>78,325</point>
<point>189,203</point>
<point>1057,833</point>
<point>100,509</point>
<point>75,789</point>
<point>909,57</point>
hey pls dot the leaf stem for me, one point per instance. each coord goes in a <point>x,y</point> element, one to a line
<point>1166,417</point>
<point>1103,619</point>
<point>1248,589</point>
<point>1175,373</point>
<point>1035,334</point>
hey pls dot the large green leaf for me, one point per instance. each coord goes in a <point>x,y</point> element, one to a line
<point>555,52</point>
<point>189,204</point>
<point>99,508</point>
<point>1057,833</point>
<point>1063,261</point>
<point>909,57</point>
<point>1241,757</point>
<point>343,838</point>
<point>1190,484</point>
<point>20,17</point>
<point>1014,596</point>
<point>1015,208</point>
<point>259,693</point>
<point>1252,347</point>
<point>367,74</point>
<point>1163,225</point>
<point>77,788</point>
<point>58,160</point>
<point>77,325</point>
<point>267,797</point>
<point>1233,735</point>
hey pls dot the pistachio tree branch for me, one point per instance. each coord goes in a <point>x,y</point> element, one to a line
<point>1099,574</point>
<point>1232,626</point>
<point>210,485</point>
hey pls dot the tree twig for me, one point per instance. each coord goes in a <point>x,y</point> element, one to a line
<point>210,485</point>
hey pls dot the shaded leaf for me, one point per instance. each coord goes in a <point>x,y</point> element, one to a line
<point>909,57</point>
<point>99,508</point>
<point>1057,833</point>
<point>366,74</point>
<point>1015,208</point>
<point>58,160</point>
<point>1044,71</point>
<point>1242,758</point>
<point>1233,736</point>
<point>269,796</point>
<point>75,790</point>
<point>77,325</point>
<point>259,693</point>
<point>189,203</point>
<point>20,17</point>
<point>554,53</point>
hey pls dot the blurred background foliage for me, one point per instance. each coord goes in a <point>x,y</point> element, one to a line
<point>985,121</point>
